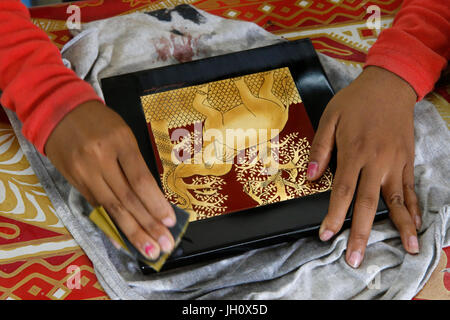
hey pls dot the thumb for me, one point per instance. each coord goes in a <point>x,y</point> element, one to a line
<point>321,148</point>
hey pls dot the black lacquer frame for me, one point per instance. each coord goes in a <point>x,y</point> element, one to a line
<point>256,227</point>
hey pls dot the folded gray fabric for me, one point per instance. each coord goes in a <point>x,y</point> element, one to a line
<point>305,269</point>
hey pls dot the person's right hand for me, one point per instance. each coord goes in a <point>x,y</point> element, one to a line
<point>95,150</point>
<point>371,124</point>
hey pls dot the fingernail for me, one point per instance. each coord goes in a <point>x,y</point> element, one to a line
<point>165,243</point>
<point>150,251</point>
<point>312,170</point>
<point>326,235</point>
<point>413,244</point>
<point>418,222</point>
<point>168,222</point>
<point>355,259</point>
<point>115,244</point>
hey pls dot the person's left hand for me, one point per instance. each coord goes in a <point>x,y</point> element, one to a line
<point>96,151</point>
<point>372,123</point>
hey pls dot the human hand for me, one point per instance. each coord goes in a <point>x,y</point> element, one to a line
<point>372,123</point>
<point>95,150</point>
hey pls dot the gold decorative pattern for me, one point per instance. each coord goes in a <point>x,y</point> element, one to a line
<point>289,180</point>
<point>152,6</point>
<point>255,103</point>
<point>175,106</point>
<point>9,235</point>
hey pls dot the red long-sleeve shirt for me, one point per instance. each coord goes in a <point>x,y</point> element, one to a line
<point>417,46</point>
<point>41,90</point>
<point>35,82</point>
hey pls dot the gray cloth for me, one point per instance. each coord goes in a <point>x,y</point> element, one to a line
<point>305,269</point>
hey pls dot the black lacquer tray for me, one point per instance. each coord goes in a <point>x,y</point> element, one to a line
<point>234,232</point>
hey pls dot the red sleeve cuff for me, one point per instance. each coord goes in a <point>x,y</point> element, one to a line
<point>38,125</point>
<point>407,57</point>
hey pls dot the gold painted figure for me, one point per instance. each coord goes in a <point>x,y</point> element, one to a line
<point>251,108</point>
